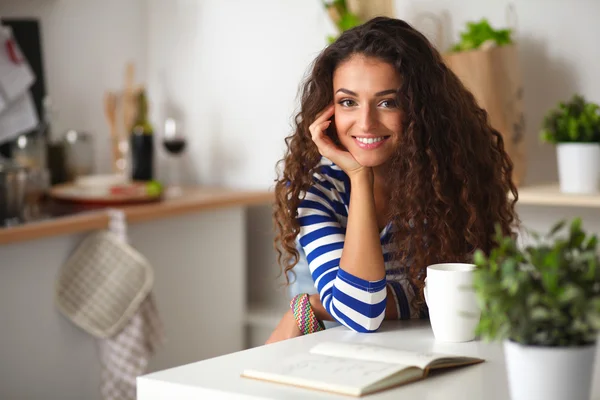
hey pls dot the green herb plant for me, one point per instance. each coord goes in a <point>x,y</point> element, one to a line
<point>478,33</point>
<point>547,294</point>
<point>576,121</point>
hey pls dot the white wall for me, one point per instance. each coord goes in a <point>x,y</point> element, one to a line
<point>86,44</point>
<point>232,69</point>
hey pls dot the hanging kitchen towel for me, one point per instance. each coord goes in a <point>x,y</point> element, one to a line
<point>125,355</point>
<point>105,289</point>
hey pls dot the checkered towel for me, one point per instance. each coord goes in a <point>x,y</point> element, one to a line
<point>125,356</point>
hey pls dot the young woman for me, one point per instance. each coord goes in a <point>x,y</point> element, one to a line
<point>392,167</point>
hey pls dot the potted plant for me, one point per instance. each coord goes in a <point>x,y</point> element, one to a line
<point>574,127</point>
<point>481,35</point>
<point>544,302</point>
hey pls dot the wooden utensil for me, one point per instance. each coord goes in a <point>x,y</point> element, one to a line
<point>129,101</point>
<point>110,111</point>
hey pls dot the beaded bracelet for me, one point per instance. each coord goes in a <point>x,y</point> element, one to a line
<point>304,315</point>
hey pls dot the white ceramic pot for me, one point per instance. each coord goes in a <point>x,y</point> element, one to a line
<point>578,167</point>
<point>549,373</point>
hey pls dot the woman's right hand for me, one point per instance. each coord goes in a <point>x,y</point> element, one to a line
<point>328,148</point>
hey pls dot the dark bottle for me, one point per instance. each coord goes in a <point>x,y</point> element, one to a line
<point>142,143</point>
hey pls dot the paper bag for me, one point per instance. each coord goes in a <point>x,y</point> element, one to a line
<point>493,76</point>
<point>367,9</point>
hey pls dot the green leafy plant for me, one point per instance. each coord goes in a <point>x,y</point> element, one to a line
<point>547,294</point>
<point>478,33</point>
<point>341,15</point>
<point>576,121</point>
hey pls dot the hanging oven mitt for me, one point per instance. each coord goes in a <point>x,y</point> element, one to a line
<point>102,284</point>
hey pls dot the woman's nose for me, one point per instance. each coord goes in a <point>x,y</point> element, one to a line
<point>367,119</point>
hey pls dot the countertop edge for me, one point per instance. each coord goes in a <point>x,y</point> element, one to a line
<point>196,200</point>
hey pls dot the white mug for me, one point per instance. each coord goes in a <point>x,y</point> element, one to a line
<point>453,309</point>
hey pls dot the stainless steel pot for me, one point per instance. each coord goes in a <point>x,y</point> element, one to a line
<point>13,181</point>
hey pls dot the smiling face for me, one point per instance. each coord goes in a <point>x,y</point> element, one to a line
<point>367,118</point>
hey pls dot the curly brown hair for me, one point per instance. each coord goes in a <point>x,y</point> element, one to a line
<point>451,174</point>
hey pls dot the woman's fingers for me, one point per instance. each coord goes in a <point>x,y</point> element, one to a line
<point>320,129</point>
<point>321,118</point>
<point>325,114</point>
<point>320,138</point>
<point>327,148</point>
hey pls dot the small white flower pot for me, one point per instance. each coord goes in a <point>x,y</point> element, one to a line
<point>579,167</point>
<point>549,373</point>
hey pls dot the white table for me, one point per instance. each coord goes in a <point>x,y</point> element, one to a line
<point>219,378</point>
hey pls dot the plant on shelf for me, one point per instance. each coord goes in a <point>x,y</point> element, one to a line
<point>574,127</point>
<point>576,121</point>
<point>482,35</point>
<point>341,15</point>
<point>544,302</point>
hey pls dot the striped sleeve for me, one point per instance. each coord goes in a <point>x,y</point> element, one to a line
<point>354,302</point>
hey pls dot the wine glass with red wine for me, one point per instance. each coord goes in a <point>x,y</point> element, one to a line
<point>174,142</point>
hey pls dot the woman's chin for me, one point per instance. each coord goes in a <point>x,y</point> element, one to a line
<point>370,160</point>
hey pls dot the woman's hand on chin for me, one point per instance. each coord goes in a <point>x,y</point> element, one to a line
<point>327,148</point>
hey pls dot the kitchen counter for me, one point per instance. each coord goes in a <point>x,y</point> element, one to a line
<point>192,200</point>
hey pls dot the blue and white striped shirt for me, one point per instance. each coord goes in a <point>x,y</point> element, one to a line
<point>352,301</point>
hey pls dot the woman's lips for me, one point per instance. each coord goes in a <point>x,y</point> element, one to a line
<point>370,142</point>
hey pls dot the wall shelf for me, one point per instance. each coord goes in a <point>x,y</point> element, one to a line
<point>550,195</point>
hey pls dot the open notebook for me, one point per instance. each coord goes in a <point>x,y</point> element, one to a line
<point>355,369</point>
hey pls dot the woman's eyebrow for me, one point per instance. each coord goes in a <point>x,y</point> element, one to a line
<point>378,94</point>
<point>385,92</point>
<point>350,92</point>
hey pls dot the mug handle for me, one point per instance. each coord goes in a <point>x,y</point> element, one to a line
<point>425,290</point>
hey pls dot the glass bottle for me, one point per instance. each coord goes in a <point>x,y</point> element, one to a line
<point>142,143</point>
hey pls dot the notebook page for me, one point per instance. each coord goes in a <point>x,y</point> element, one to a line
<point>360,351</point>
<point>327,373</point>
